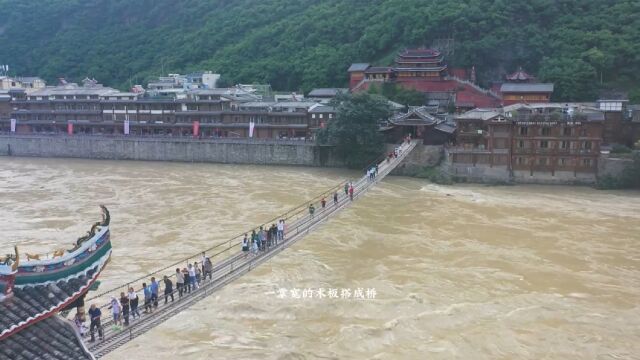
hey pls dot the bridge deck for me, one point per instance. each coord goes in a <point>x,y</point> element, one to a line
<point>232,263</point>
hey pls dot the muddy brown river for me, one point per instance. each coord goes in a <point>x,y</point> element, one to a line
<point>458,272</point>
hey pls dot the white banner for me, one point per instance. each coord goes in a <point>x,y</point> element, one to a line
<point>126,127</point>
<point>13,125</point>
<point>251,126</point>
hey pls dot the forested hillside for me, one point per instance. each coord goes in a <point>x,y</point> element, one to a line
<point>300,44</point>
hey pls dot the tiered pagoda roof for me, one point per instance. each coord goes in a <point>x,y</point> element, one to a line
<point>520,76</point>
<point>419,55</point>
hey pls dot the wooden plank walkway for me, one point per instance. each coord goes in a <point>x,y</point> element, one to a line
<point>232,263</point>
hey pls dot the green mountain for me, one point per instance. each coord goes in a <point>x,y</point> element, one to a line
<point>581,45</point>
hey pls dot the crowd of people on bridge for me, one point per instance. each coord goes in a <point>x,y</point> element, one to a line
<point>263,238</point>
<point>126,308</point>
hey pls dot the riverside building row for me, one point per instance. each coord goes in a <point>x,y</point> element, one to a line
<point>545,142</point>
<point>93,109</point>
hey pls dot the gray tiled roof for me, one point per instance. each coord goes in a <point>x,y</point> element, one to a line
<point>327,92</point>
<point>51,339</point>
<point>479,113</point>
<point>422,114</point>
<point>358,67</point>
<point>28,301</point>
<point>515,88</point>
<point>321,109</point>
<point>379,69</point>
<point>74,90</point>
<point>446,127</point>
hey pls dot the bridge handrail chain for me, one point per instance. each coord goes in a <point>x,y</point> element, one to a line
<point>286,216</point>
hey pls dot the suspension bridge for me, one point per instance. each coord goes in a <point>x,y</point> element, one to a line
<point>230,262</point>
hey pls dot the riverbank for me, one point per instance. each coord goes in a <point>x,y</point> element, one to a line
<point>224,151</point>
<point>425,161</point>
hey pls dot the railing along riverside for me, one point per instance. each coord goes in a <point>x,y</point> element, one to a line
<point>237,264</point>
<point>473,85</point>
<point>186,138</point>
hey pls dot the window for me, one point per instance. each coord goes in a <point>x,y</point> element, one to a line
<point>583,132</point>
<point>564,145</point>
<point>586,162</point>
<point>542,161</point>
<point>566,131</point>
<point>562,162</point>
<point>520,161</point>
<point>313,116</point>
<point>523,130</point>
<point>320,116</point>
<point>586,145</point>
<point>544,144</point>
<point>330,116</point>
<point>545,131</point>
<point>521,144</point>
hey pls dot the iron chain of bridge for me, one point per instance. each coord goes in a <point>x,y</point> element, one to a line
<point>237,263</point>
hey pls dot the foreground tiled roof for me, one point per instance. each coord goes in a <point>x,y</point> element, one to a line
<point>30,302</point>
<point>49,339</point>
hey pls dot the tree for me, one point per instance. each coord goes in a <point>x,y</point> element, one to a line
<point>303,44</point>
<point>399,94</point>
<point>634,96</point>
<point>355,130</point>
<point>597,59</point>
<point>573,79</point>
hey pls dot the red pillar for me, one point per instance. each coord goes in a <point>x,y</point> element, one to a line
<point>196,128</point>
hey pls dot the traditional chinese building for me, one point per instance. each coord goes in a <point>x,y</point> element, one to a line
<point>424,70</point>
<point>35,288</point>
<point>92,109</point>
<point>421,63</point>
<point>545,142</point>
<point>514,93</point>
<point>420,124</point>
<point>620,125</point>
<point>521,87</point>
<point>26,83</point>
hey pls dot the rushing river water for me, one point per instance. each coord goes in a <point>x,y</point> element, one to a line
<point>465,272</point>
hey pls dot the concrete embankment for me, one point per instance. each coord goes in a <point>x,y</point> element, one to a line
<point>422,156</point>
<point>165,149</point>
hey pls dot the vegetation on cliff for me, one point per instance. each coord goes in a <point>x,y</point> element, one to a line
<point>580,45</point>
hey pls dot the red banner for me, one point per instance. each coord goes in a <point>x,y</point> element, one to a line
<point>70,128</point>
<point>196,129</point>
